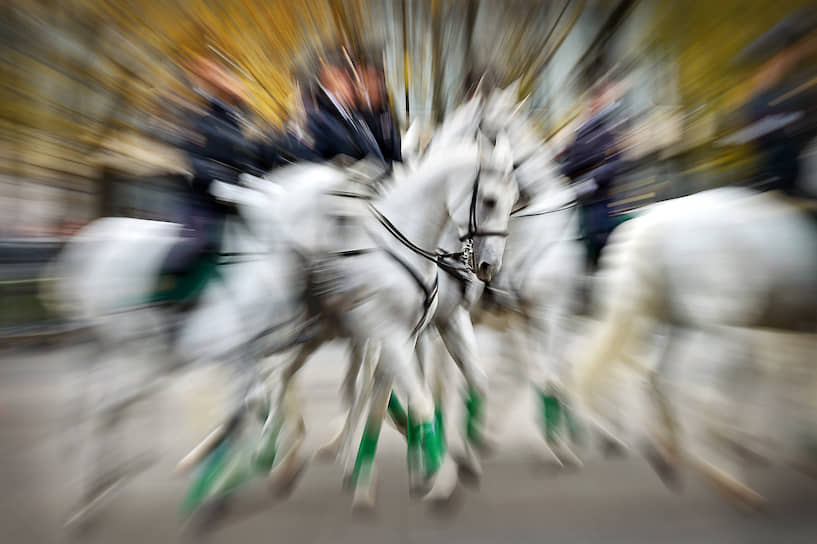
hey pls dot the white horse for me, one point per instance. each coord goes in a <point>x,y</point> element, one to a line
<point>547,260</point>
<point>107,280</point>
<point>721,258</point>
<point>457,290</point>
<point>376,282</point>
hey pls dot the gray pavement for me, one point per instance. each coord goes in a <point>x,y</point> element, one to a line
<point>611,501</point>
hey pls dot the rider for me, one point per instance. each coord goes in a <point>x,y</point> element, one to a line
<point>781,111</point>
<point>593,161</point>
<point>334,125</point>
<point>217,150</point>
<point>376,111</point>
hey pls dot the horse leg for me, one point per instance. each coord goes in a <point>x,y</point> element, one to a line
<point>101,417</point>
<point>249,377</point>
<point>446,486</point>
<point>461,342</point>
<point>720,466</point>
<point>423,444</point>
<point>508,379</point>
<point>363,474</point>
<point>542,326</point>
<point>109,398</point>
<point>347,454</point>
<point>285,426</point>
<point>331,449</point>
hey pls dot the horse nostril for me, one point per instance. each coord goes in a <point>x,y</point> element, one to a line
<point>484,267</point>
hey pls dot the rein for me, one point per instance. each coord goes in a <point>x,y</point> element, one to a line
<point>572,204</point>
<point>460,269</point>
<point>536,255</point>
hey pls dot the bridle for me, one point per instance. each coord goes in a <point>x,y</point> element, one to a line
<point>459,264</point>
<point>473,228</point>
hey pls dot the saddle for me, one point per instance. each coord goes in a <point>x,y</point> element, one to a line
<point>183,290</point>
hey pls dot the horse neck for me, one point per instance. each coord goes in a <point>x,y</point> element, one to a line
<point>418,206</point>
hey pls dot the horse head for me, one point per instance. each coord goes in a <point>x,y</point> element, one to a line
<point>483,218</point>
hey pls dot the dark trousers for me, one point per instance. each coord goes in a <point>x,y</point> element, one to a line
<point>596,226</point>
<point>201,235</point>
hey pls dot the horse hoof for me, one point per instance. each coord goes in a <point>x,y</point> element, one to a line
<point>282,480</point>
<point>611,449</point>
<point>348,483</point>
<point>447,505</point>
<point>666,470</point>
<point>363,499</point>
<point>806,466</point>
<point>418,490</point>
<point>206,518</point>
<point>469,476</point>
<point>328,453</point>
<point>566,458</point>
<point>102,492</point>
<point>468,470</point>
<point>486,448</point>
<point>746,452</point>
<point>749,500</point>
<point>363,502</point>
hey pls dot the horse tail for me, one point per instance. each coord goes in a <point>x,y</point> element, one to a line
<point>47,291</point>
<point>628,290</point>
<point>53,292</point>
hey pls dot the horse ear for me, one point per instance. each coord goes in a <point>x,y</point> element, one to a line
<point>512,91</point>
<point>474,106</point>
<point>410,146</point>
<point>484,145</point>
<point>503,154</point>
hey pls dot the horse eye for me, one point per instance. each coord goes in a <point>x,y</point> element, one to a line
<point>490,203</point>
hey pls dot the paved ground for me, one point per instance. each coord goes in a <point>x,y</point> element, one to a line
<point>618,501</point>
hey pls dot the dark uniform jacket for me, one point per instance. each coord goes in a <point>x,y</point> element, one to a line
<point>782,123</point>
<point>335,131</point>
<point>594,155</point>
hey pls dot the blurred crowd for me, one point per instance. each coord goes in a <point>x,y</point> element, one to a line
<point>197,114</point>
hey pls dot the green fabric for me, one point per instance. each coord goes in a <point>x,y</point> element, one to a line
<point>189,286</point>
<point>439,423</point>
<point>397,412</point>
<point>268,449</point>
<point>239,470</point>
<point>212,468</point>
<point>413,452</point>
<point>366,452</point>
<point>473,417</point>
<point>432,460</point>
<point>551,416</point>
<point>423,447</point>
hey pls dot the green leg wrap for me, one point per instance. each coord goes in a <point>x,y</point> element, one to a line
<point>239,469</point>
<point>473,417</point>
<point>212,468</point>
<point>432,460</point>
<point>413,452</point>
<point>268,448</point>
<point>551,416</point>
<point>397,412</point>
<point>366,451</point>
<point>439,423</point>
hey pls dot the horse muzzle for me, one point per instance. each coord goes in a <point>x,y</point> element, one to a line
<point>486,270</point>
